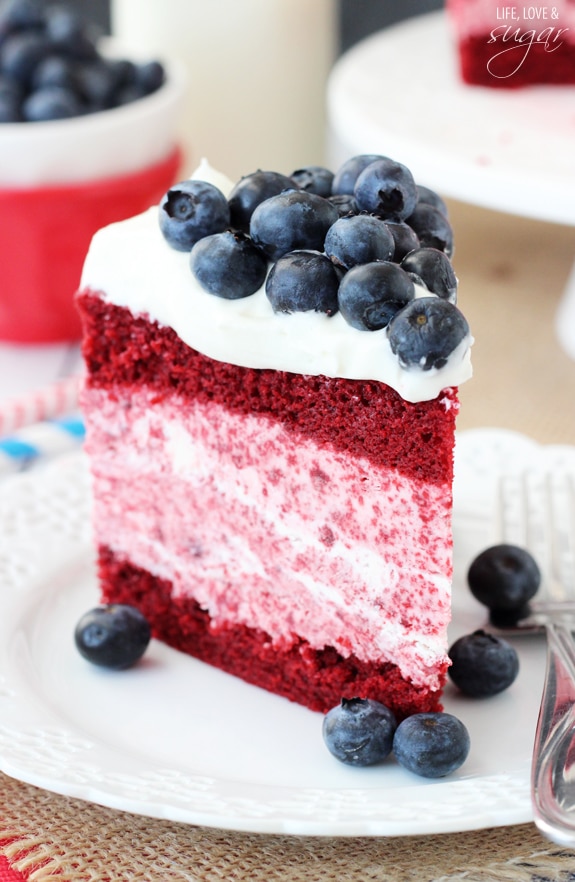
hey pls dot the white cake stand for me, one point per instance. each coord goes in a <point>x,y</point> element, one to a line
<point>399,93</point>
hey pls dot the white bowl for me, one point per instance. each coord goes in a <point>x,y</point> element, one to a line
<point>99,145</point>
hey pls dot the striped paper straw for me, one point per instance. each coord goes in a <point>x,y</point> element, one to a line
<point>39,443</point>
<point>59,398</point>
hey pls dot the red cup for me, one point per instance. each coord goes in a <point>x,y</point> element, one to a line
<point>44,237</point>
<point>60,182</point>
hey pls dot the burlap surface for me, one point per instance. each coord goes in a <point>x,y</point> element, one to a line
<point>512,274</point>
<point>73,840</point>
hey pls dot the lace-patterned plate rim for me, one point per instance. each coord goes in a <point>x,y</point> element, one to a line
<point>177,740</point>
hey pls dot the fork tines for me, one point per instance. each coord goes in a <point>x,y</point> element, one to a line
<point>537,511</point>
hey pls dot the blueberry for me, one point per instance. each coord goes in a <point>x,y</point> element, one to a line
<point>18,15</point>
<point>9,109</point>
<point>250,191</point>
<point>302,281</point>
<point>434,269</point>
<point>50,46</point>
<point>150,76</point>
<point>20,53</point>
<point>504,577</point>
<point>508,618</point>
<point>63,24</point>
<point>482,664</point>
<point>386,188</point>
<point>137,81</point>
<point>359,731</point>
<point>404,237</point>
<point>430,197</point>
<point>10,100</point>
<point>431,744</point>
<point>112,636</point>
<point>432,228</point>
<point>426,332</point>
<point>372,293</point>
<point>9,86</point>
<point>54,70</point>
<point>97,82</point>
<point>344,202</point>
<point>68,32</point>
<point>346,176</point>
<point>291,221</point>
<point>358,238</point>
<point>228,265</point>
<point>191,210</point>
<point>313,179</point>
<point>49,103</point>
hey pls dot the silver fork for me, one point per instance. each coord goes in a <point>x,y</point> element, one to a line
<point>537,511</point>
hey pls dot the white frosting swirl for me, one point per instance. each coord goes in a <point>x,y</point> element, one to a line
<point>131,265</point>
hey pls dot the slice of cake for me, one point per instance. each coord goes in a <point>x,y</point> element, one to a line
<point>512,45</point>
<point>272,485</point>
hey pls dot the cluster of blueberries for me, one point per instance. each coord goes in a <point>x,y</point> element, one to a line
<point>357,242</point>
<point>51,68</point>
<point>359,732</point>
<point>363,732</point>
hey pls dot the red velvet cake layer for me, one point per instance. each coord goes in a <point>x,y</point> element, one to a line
<point>360,417</point>
<point>315,679</point>
<point>292,530</point>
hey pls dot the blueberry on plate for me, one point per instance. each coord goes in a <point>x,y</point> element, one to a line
<point>191,210</point>
<point>431,744</point>
<point>113,635</point>
<point>291,221</point>
<point>432,228</point>
<point>303,281</point>
<point>371,294</point>
<point>359,731</point>
<point>313,179</point>
<point>504,578</point>
<point>250,191</point>
<point>346,176</point>
<point>358,238</point>
<point>482,664</point>
<point>426,332</point>
<point>228,265</point>
<point>504,619</point>
<point>386,188</point>
<point>435,270</point>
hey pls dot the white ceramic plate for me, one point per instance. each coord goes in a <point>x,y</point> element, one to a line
<point>173,738</point>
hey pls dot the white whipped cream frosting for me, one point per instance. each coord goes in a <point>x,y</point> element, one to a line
<point>131,265</point>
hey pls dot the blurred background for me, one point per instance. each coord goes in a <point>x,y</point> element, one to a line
<point>260,73</point>
<point>356,18</point>
<point>270,112</point>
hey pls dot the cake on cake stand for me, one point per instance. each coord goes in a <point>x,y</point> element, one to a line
<point>399,93</point>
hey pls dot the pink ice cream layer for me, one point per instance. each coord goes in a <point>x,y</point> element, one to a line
<point>270,530</point>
